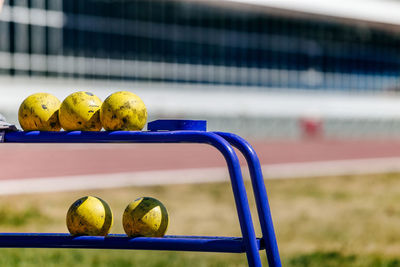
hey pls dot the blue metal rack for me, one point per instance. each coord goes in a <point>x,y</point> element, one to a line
<point>190,132</point>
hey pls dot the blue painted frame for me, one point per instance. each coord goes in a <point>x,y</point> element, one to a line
<point>222,141</point>
<point>260,195</point>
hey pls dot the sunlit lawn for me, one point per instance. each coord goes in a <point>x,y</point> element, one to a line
<point>336,221</point>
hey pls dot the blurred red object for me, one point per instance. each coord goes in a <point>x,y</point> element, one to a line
<point>311,127</point>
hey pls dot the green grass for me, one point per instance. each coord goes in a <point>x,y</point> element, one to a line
<point>331,259</point>
<point>111,258</point>
<point>73,257</point>
<point>16,218</point>
<point>336,221</point>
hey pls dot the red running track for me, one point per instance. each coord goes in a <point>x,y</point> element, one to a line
<point>49,160</point>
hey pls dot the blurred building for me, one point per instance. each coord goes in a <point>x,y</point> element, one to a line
<point>194,42</point>
<point>255,67</point>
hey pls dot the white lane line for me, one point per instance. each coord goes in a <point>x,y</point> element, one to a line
<point>102,181</point>
<point>332,168</point>
<point>199,175</point>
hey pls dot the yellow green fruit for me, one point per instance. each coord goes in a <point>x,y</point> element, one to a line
<point>39,112</point>
<point>89,216</point>
<point>123,111</point>
<point>80,111</point>
<point>146,216</point>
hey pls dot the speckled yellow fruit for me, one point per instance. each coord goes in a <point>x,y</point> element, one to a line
<point>39,112</point>
<point>123,111</point>
<point>89,216</point>
<point>146,216</point>
<point>80,111</point>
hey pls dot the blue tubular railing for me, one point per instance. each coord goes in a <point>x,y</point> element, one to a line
<point>250,242</point>
<point>113,241</point>
<point>260,194</point>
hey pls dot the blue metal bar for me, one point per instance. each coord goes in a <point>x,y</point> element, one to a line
<point>177,125</point>
<point>170,243</point>
<point>260,194</point>
<point>239,191</point>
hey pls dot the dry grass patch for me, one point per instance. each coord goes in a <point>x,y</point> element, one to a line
<point>353,219</point>
<point>355,214</point>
